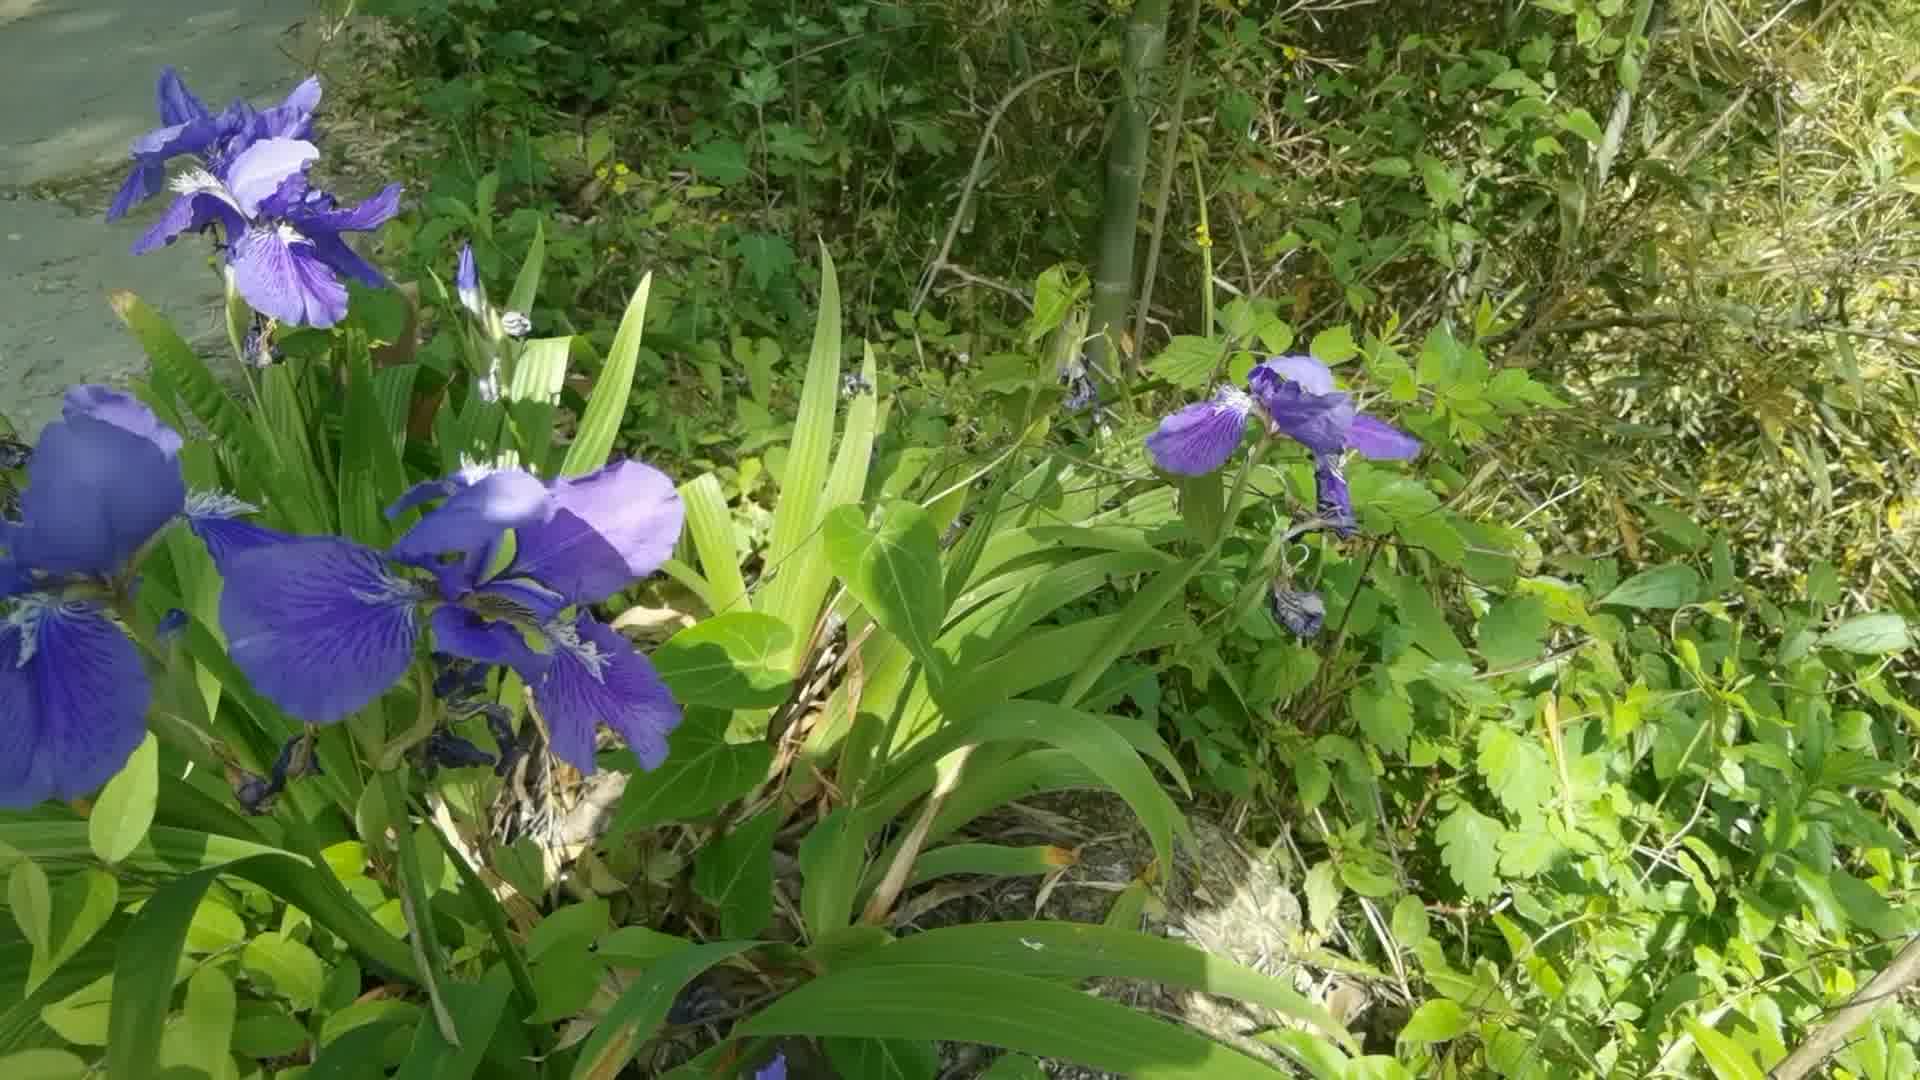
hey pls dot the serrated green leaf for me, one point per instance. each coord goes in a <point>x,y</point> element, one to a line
<point>1384,715</point>
<point>1435,1021</point>
<point>607,408</point>
<point>732,661</point>
<point>735,875</point>
<point>120,817</point>
<point>766,256</point>
<point>1511,633</point>
<point>1470,846</point>
<point>1334,344</point>
<point>1516,769</point>
<point>1670,586</point>
<point>1723,1055</point>
<point>1871,635</point>
<point>1187,362</point>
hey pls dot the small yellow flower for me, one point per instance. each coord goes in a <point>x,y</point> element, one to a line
<point>1202,236</point>
<point>620,186</point>
<point>600,173</point>
<point>620,168</point>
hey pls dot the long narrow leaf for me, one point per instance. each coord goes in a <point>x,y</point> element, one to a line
<point>710,525</point>
<point>608,405</point>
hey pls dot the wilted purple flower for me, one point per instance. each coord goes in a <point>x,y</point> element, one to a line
<point>189,128</point>
<point>1302,613</point>
<point>1296,396</point>
<point>445,750</point>
<point>1331,498</point>
<point>466,283</point>
<point>104,480</point>
<point>282,239</point>
<point>774,1070</point>
<point>322,626</point>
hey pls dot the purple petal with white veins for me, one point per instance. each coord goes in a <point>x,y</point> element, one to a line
<point>123,411</point>
<point>610,527</point>
<point>292,118</point>
<point>320,626</point>
<point>191,212</point>
<point>1312,375</point>
<point>277,273</point>
<point>1381,440</point>
<point>1319,422</point>
<point>598,677</point>
<point>368,215</point>
<point>330,249</point>
<point>260,169</point>
<point>177,103</point>
<point>226,537</point>
<point>475,516</point>
<point>74,709</point>
<point>95,493</point>
<point>463,633</point>
<point>1201,437</point>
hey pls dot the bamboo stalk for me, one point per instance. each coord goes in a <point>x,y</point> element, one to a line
<point>1126,164</point>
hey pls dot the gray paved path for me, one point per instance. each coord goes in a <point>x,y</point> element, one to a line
<point>76,77</point>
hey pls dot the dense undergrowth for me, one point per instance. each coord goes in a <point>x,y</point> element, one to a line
<point>1584,737</point>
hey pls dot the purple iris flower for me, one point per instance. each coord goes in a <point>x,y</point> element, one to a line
<point>187,127</point>
<point>103,481</point>
<point>323,626</point>
<point>774,1070</point>
<point>1296,397</point>
<point>1302,613</point>
<point>282,238</point>
<point>466,283</point>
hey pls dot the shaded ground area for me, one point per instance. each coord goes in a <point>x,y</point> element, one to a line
<point>78,78</point>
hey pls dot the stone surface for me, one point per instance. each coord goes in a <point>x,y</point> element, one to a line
<point>78,77</point>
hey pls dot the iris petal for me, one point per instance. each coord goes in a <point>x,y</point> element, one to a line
<point>279,275</point>
<point>613,525</point>
<point>369,214</point>
<point>1201,437</point>
<point>123,411</point>
<point>1381,440</point>
<point>474,516</point>
<point>190,213</point>
<point>597,676</point>
<point>319,626</point>
<point>1312,375</point>
<point>463,633</point>
<point>1320,422</point>
<point>259,170</point>
<point>95,493</point>
<point>177,103</point>
<point>73,711</point>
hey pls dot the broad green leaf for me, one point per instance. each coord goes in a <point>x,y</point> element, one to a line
<point>789,596</point>
<point>882,1059</point>
<point>533,397</point>
<point>1334,344</point>
<point>638,1013</point>
<point>81,905</point>
<point>1723,1055</point>
<point>980,1004</point>
<point>736,660</point>
<point>1082,950</point>
<point>201,1039</point>
<point>1670,586</point>
<point>710,524</point>
<point>735,875</point>
<point>42,1064</point>
<point>894,571</point>
<point>84,1018</point>
<point>1187,362</point>
<point>1516,769</point>
<point>362,1053</point>
<point>1423,617</point>
<point>703,772</point>
<point>285,967</point>
<point>477,1008</point>
<point>264,1031</point>
<point>1384,714</point>
<point>607,408</point>
<point>1582,123</point>
<point>30,898</point>
<point>1511,633</point>
<point>1435,1021</point>
<point>1410,922</point>
<point>120,817</point>
<point>1470,846</point>
<point>1870,634</point>
<point>582,922</point>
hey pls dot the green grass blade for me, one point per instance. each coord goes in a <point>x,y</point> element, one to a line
<point>608,406</point>
<point>710,524</point>
<point>526,286</point>
<point>803,481</point>
<point>189,376</point>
